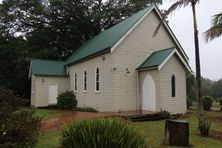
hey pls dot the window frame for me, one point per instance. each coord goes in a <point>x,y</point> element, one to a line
<point>84,81</point>
<point>75,82</point>
<point>173,86</point>
<point>97,81</point>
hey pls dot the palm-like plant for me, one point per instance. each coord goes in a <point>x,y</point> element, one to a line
<point>184,3</point>
<point>216,28</point>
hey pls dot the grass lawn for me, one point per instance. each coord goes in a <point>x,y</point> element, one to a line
<point>152,130</point>
<point>50,113</point>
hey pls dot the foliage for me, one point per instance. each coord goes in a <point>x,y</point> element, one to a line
<point>9,103</point>
<point>215,29</point>
<point>29,29</point>
<point>164,114</point>
<point>204,127</point>
<point>207,86</point>
<point>19,128</point>
<point>189,102</point>
<point>191,86</point>
<point>216,89</point>
<point>207,102</point>
<point>67,100</point>
<point>86,109</point>
<point>153,132</point>
<point>220,102</point>
<point>101,133</point>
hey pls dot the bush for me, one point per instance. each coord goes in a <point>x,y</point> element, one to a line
<point>207,102</point>
<point>220,101</point>
<point>101,133</point>
<point>86,109</point>
<point>189,102</point>
<point>67,100</point>
<point>19,128</point>
<point>164,114</point>
<point>204,127</point>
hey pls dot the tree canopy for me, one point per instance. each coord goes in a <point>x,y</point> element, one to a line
<point>52,29</point>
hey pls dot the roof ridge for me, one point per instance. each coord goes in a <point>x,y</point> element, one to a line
<point>108,38</point>
<point>47,60</point>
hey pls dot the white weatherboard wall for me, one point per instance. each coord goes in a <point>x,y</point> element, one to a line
<point>103,100</point>
<point>130,54</point>
<point>178,103</point>
<point>40,89</point>
<point>162,79</point>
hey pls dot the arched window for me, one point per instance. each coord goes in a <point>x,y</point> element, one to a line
<point>97,79</point>
<point>75,82</point>
<point>85,81</point>
<point>173,86</point>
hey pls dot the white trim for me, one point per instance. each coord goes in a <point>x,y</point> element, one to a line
<point>144,59</point>
<point>180,57</point>
<point>97,91</point>
<point>30,74</point>
<point>166,60</point>
<point>171,33</point>
<point>131,29</point>
<point>140,20</point>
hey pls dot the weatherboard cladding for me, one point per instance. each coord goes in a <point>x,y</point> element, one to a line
<point>156,58</point>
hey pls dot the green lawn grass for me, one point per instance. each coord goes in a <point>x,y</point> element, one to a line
<point>50,113</point>
<point>152,130</point>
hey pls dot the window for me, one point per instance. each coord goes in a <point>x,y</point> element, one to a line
<point>97,79</point>
<point>173,86</point>
<point>75,82</point>
<point>85,81</point>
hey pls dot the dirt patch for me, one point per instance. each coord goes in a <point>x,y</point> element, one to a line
<point>216,135</point>
<point>215,119</point>
<point>55,122</point>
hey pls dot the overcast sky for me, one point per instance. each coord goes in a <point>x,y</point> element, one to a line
<point>181,24</point>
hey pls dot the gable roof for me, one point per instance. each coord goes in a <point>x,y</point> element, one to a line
<point>47,67</point>
<point>104,42</point>
<point>158,59</point>
<point>106,39</point>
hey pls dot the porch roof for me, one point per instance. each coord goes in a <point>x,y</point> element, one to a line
<point>47,67</point>
<point>156,59</point>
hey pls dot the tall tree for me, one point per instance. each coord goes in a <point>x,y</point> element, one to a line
<point>53,30</point>
<point>184,3</point>
<point>215,29</point>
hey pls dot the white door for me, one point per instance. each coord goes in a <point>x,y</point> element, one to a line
<point>53,93</point>
<point>148,94</point>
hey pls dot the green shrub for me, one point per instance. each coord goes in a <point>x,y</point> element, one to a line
<point>18,128</point>
<point>220,101</point>
<point>101,133</point>
<point>86,109</point>
<point>204,127</point>
<point>67,100</point>
<point>189,102</point>
<point>207,102</point>
<point>164,114</point>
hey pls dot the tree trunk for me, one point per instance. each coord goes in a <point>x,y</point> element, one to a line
<point>200,110</point>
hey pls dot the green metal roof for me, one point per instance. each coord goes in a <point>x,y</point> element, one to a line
<point>47,67</point>
<point>156,58</point>
<point>106,39</point>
